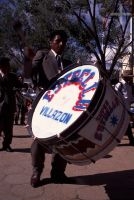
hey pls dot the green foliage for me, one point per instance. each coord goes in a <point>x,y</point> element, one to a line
<point>92,26</point>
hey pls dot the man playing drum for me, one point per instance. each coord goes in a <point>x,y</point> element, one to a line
<point>51,66</point>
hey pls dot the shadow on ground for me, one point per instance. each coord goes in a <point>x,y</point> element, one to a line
<point>23,150</point>
<point>22,136</point>
<point>118,185</point>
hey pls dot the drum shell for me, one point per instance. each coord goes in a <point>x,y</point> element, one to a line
<point>96,131</point>
<point>91,137</point>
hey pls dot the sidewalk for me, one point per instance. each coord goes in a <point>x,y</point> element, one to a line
<point>111,177</point>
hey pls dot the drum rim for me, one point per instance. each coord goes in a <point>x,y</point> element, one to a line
<point>83,117</point>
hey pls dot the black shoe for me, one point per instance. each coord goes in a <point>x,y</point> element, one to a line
<point>59,178</point>
<point>35,180</point>
<point>8,149</point>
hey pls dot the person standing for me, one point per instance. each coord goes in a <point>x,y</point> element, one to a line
<point>21,108</point>
<point>8,82</point>
<point>125,89</point>
<point>52,65</point>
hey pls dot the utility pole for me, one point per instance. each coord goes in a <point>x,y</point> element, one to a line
<point>133,42</point>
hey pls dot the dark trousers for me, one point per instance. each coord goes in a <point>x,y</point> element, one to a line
<point>129,133</point>
<point>7,128</point>
<point>38,157</point>
<point>21,111</point>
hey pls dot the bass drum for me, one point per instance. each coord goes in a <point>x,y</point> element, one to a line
<point>80,116</point>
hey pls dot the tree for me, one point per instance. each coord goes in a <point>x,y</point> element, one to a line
<point>93,26</point>
<point>97,19</point>
<point>10,44</point>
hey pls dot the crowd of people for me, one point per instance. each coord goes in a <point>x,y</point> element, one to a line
<point>24,101</point>
<point>15,103</point>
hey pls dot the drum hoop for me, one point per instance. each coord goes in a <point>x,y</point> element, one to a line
<point>81,120</point>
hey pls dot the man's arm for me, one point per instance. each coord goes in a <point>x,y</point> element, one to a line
<point>36,65</point>
<point>37,59</point>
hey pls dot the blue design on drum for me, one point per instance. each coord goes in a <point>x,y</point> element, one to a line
<point>56,114</point>
<point>114,120</point>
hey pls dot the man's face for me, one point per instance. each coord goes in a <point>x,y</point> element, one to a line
<point>58,44</point>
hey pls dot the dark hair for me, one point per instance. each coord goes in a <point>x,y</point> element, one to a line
<point>62,33</point>
<point>4,62</point>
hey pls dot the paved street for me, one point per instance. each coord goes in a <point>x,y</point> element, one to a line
<point>111,177</point>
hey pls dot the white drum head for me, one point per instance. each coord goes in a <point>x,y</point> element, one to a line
<point>63,104</point>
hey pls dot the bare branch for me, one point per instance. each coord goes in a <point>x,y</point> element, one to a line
<point>110,25</point>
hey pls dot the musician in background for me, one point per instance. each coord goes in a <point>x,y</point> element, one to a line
<point>8,82</point>
<point>50,65</point>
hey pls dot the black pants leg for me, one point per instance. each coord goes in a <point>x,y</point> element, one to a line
<point>129,133</point>
<point>38,157</point>
<point>17,114</point>
<point>8,130</point>
<point>23,114</point>
<point>58,165</point>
